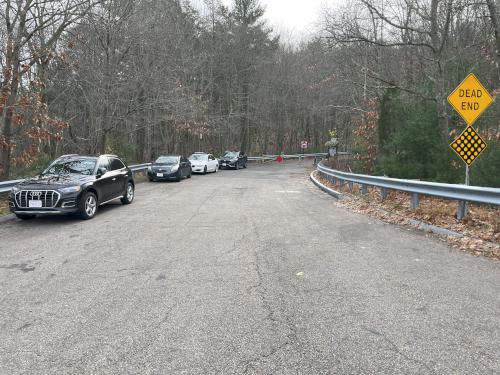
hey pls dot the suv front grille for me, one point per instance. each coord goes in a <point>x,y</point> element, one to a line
<point>49,198</point>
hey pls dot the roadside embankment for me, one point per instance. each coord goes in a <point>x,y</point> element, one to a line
<point>478,233</point>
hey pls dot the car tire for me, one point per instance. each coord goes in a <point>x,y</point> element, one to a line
<point>205,170</point>
<point>129,195</point>
<point>178,177</point>
<point>151,179</point>
<point>88,206</point>
<point>25,217</point>
<point>189,174</point>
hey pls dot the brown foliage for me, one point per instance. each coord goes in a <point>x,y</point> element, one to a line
<point>33,125</point>
<point>366,136</point>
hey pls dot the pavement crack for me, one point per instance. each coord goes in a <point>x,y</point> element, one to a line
<point>273,305</point>
<point>393,347</point>
<point>23,267</point>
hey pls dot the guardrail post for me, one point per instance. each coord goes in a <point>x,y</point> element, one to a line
<point>414,200</point>
<point>461,210</point>
<point>383,193</point>
<point>350,185</point>
<point>364,189</point>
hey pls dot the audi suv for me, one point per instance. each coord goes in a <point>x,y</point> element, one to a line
<point>73,184</point>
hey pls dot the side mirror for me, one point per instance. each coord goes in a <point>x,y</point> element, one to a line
<point>101,171</point>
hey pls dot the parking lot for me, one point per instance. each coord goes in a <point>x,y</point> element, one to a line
<point>248,271</point>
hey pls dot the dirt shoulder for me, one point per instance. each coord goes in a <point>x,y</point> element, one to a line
<point>479,231</point>
<point>4,205</point>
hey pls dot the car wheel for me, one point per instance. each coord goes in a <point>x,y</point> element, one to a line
<point>88,207</point>
<point>178,176</point>
<point>151,179</point>
<point>129,194</point>
<point>189,174</point>
<point>25,217</point>
<point>205,170</point>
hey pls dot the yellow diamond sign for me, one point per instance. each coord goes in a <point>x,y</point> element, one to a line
<point>468,145</point>
<point>470,99</point>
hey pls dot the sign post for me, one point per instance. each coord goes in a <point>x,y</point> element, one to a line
<point>303,146</point>
<point>470,99</point>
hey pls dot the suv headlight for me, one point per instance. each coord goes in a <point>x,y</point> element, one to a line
<point>15,189</point>
<point>175,168</point>
<point>150,169</point>
<point>71,189</point>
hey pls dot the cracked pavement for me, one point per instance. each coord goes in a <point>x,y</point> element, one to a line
<point>253,271</point>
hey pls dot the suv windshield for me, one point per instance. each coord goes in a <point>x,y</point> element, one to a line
<point>168,160</point>
<point>198,157</point>
<point>231,154</point>
<point>72,166</point>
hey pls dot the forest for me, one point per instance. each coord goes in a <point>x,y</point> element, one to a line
<point>140,78</point>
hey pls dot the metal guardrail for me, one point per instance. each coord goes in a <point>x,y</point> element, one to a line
<point>139,167</point>
<point>5,186</point>
<point>460,193</point>
<point>264,158</point>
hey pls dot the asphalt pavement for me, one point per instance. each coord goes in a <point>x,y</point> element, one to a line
<point>253,271</point>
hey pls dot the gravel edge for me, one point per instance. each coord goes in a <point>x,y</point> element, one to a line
<point>325,188</point>
<point>412,222</point>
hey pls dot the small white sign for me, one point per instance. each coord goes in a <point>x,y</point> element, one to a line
<point>35,204</point>
<point>303,144</point>
<point>159,175</point>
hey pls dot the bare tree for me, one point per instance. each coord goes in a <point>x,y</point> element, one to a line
<point>31,31</point>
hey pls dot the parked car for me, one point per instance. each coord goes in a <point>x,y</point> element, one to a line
<point>203,163</point>
<point>172,167</point>
<point>233,159</point>
<point>73,184</point>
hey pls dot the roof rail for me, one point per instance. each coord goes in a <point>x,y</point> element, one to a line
<point>109,155</point>
<point>67,156</point>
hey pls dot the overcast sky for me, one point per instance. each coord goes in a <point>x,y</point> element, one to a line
<point>296,17</point>
<point>294,20</point>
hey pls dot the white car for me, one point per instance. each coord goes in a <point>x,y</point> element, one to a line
<point>203,163</point>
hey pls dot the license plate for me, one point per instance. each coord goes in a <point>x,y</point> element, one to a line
<point>223,164</point>
<point>159,175</point>
<point>35,204</point>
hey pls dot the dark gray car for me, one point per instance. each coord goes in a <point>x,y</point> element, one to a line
<point>170,167</point>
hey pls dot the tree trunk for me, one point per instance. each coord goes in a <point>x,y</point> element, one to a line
<point>442,105</point>
<point>6,150</point>
<point>492,7</point>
